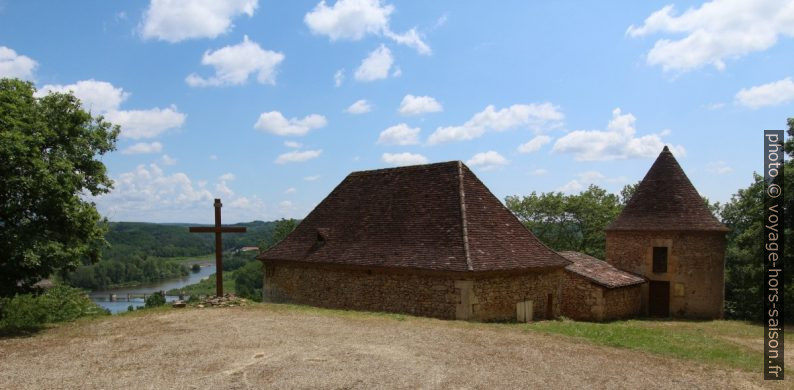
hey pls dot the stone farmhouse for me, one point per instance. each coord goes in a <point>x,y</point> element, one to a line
<point>432,240</point>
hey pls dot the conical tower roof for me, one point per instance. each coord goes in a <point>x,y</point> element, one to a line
<point>433,217</point>
<point>666,200</point>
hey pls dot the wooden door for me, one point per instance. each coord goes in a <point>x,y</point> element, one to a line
<point>659,299</point>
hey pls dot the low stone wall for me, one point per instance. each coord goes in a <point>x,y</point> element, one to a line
<point>439,295</point>
<point>583,300</point>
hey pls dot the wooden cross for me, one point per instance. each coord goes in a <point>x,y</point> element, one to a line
<point>218,229</point>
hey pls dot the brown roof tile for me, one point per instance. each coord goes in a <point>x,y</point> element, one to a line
<point>599,271</point>
<point>433,217</point>
<point>666,200</point>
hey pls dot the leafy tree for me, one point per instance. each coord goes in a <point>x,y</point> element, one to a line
<point>283,228</point>
<point>568,222</point>
<point>248,279</point>
<point>156,299</point>
<point>49,147</point>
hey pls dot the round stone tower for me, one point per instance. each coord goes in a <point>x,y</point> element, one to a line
<point>667,234</point>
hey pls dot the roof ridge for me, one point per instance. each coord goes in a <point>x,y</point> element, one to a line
<point>402,168</point>
<point>464,229</point>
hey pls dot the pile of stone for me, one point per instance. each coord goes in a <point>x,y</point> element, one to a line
<point>227,300</point>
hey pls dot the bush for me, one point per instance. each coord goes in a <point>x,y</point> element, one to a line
<point>28,312</point>
<point>248,281</point>
<point>156,299</point>
<point>195,268</point>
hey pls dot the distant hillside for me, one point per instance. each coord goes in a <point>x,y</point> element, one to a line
<point>170,240</point>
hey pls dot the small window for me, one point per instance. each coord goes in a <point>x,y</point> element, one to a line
<point>659,259</point>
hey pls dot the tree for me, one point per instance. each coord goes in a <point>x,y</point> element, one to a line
<point>49,147</point>
<point>568,222</point>
<point>248,280</point>
<point>283,228</point>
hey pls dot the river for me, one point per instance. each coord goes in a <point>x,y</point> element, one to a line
<point>102,297</point>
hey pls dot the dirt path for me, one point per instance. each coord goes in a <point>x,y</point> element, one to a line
<point>273,347</point>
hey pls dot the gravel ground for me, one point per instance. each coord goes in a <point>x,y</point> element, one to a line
<point>274,346</point>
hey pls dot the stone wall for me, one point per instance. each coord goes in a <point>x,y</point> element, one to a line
<point>622,302</point>
<point>583,300</point>
<point>439,295</point>
<point>696,262</point>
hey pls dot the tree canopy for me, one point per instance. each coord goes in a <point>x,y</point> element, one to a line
<point>49,147</point>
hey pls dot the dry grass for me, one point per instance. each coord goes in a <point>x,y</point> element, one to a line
<point>277,346</point>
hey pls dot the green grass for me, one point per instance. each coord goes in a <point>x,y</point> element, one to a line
<point>724,343</point>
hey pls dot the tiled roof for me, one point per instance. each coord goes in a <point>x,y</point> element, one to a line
<point>599,271</point>
<point>433,217</point>
<point>666,200</point>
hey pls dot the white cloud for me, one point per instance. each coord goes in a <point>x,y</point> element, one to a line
<point>143,148</point>
<point>770,94</point>
<point>402,159</point>
<point>213,157</point>
<point>147,193</point>
<point>339,77</point>
<point>137,124</point>
<point>400,134</point>
<point>101,97</point>
<point>618,141</point>
<point>716,31</point>
<point>13,65</point>
<point>359,107</point>
<point>95,96</point>
<point>416,105</point>
<point>234,64</point>
<point>591,176</point>
<point>311,178</point>
<point>177,20</point>
<point>534,144</point>
<point>536,116</point>
<point>487,160</point>
<point>571,187</point>
<point>355,19</point>
<point>168,160</point>
<point>275,123</point>
<point>227,177</point>
<point>292,144</point>
<point>376,66</point>
<point>298,156</point>
<point>290,190</point>
<point>719,167</point>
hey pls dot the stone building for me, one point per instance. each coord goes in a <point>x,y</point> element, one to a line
<point>428,240</point>
<point>593,290</point>
<point>667,234</point>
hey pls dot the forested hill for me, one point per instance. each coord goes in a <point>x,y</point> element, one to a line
<point>170,240</point>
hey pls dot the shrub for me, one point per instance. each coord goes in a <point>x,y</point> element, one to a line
<point>248,281</point>
<point>29,312</point>
<point>195,268</point>
<point>156,299</point>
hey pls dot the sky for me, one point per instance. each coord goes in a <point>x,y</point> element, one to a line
<point>270,104</point>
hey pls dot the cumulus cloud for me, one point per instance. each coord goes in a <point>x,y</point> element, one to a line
<point>416,105</point>
<point>355,19</point>
<point>534,144</point>
<point>290,190</point>
<point>13,65</point>
<point>298,156</point>
<point>311,178</point>
<point>536,116</point>
<point>539,172</point>
<point>487,160</point>
<point>148,193</point>
<point>177,20</point>
<point>143,148</point>
<point>376,66</point>
<point>292,144</point>
<point>715,31</point>
<point>402,159</point>
<point>275,123</point>
<point>618,141</point>
<point>400,134</point>
<point>137,124</point>
<point>234,64</point>
<point>339,77</point>
<point>770,94</point>
<point>101,97</point>
<point>359,107</point>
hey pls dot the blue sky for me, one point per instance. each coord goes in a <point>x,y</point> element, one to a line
<point>269,105</point>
